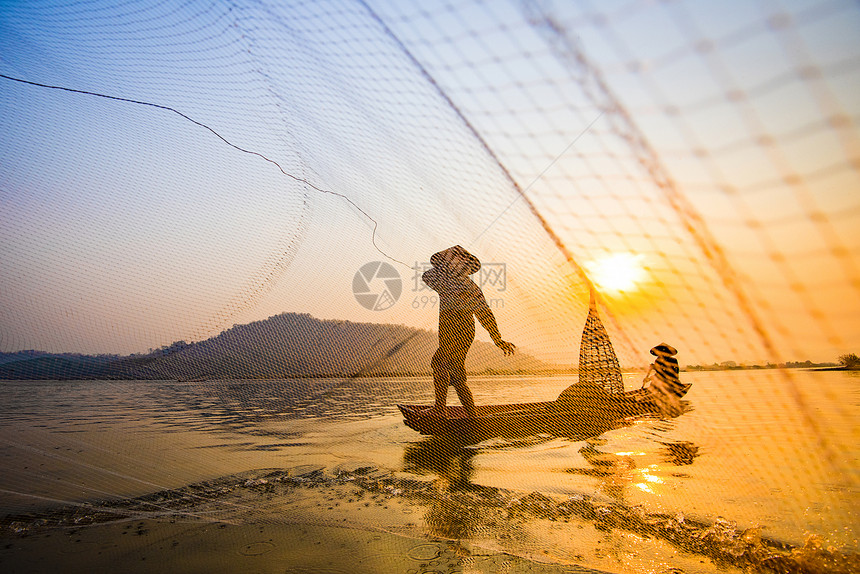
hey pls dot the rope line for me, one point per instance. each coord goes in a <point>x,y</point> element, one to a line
<point>226,141</point>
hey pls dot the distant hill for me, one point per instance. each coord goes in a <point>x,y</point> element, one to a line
<point>284,346</point>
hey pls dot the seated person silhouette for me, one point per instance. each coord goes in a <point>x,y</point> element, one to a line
<point>460,301</point>
<point>666,388</point>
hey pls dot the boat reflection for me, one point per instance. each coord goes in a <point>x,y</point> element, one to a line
<point>614,470</point>
<point>446,457</point>
<point>450,456</point>
<point>450,513</point>
<point>679,453</point>
<point>617,471</point>
<point>459,509</point>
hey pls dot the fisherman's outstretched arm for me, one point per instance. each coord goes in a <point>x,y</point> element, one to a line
<point>488,321</point>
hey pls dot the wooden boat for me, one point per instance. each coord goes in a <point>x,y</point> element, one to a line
<point>595,404</point>
<point>581,410</point>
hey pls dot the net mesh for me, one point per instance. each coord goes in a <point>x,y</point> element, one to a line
<point>190,190</point>
<point>598,364</point>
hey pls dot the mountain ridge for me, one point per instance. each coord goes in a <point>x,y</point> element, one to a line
<point>287,345</point>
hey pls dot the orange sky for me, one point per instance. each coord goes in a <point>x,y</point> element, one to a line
<point>719,153</point>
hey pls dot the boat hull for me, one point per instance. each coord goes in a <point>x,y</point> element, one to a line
<point>587,416</point>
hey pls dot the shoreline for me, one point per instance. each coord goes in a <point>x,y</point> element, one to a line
<point>283,514</point>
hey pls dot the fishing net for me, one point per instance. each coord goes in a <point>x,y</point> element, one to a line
<point>598,364</point>
<point>238,200</point>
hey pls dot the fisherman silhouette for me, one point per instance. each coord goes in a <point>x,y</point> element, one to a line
<point>460,301</point>
<point>666,388</point>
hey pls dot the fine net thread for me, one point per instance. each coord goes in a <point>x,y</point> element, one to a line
<point>525,80</point>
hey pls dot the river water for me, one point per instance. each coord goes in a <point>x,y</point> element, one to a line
<point>769,452</point>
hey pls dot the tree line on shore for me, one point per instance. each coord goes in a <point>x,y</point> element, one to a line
<point>848,362</point>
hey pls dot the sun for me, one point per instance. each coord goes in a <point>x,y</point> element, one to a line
<point>617,272</point>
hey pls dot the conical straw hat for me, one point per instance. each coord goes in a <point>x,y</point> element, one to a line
<point>453,257</point>
<point>664,350</point>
